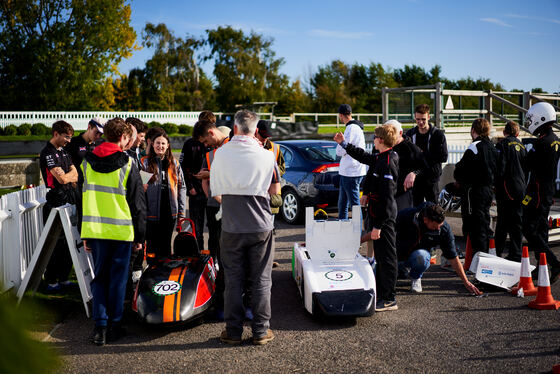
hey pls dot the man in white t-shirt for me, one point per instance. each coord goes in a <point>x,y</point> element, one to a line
<point>351,171</point>
<point>242,178</point>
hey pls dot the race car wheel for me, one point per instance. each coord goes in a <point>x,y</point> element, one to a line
<point>292,207</point>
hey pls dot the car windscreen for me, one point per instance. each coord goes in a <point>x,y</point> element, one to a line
<point>320,152</point>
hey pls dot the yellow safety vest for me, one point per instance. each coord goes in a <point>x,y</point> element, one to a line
<point>275,148</point>
<point>106,214</point>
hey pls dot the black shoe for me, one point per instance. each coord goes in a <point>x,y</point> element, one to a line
<point>554,273</point>
<point>115,332</point>
<point>99,335</point>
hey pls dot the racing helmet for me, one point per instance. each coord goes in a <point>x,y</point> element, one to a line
<point>449,198</point>
<point>539,114</point>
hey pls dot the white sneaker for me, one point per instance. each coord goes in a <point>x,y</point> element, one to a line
<point>416,285</point>
<point>136,275</point>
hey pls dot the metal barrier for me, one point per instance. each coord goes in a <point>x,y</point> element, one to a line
<point>21,223</point>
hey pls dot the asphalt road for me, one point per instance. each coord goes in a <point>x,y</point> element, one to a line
<point>444,329</point>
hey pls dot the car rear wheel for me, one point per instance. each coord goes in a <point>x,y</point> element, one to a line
<point>292,207</point>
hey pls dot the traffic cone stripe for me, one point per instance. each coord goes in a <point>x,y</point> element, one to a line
<point>525,280</point>
<point>492,247</point>
<point>543,276</point>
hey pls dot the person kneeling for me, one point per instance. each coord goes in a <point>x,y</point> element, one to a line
<point>418,230</point>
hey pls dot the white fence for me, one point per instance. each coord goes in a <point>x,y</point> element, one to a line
<point>21,223</point>
<point>79,120</point>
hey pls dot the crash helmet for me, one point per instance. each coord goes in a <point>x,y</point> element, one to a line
<point>539,114</point>
<point>449,198</point>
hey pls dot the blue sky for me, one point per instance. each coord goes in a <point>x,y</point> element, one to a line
<point>515,43</point>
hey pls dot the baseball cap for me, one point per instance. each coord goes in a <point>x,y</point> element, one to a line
<point>345,109</point>
<point>224,130</point>
<point>99,122</point>
<point>263,129</point>
<point>396,124</point>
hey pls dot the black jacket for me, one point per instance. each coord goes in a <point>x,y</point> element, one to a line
<point>192,156</point>
<point>135,196</point>
<point>380,184</point>
<point>436,153</point>
<point>478,166</point>
<point>542,161</point>
<point>510,178</point>
<point>412,234</point>
<point>410,159</point>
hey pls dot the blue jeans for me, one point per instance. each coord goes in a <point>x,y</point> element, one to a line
<point>418,262</point>
<point>110,264</point>
<point>348,195</point>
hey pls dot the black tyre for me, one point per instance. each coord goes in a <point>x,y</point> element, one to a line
<point>292,207</point>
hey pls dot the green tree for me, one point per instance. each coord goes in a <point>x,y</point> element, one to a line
<point>55,53</point>
<point>245,67</point>
<point>172,78</point>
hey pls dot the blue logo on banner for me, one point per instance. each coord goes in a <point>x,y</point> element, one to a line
<point>486,271</point>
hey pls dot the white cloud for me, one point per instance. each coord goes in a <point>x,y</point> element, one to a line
<point>339,34</point>
<point>496,22</point>
<point>520,16</point>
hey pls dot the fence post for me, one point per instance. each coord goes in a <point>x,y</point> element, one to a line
<point>438,113</point>
<point>385,104</point>
<point>11,244</point>
<point>488,106</point>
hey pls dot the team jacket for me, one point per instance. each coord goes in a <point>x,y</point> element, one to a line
<point>510,179</point>
<point>380,184</point>
<point>436,153</point>
<point>477,167</point>
<point>107,158</point>
<point>177,193</point>
<point>542,161</point>
<point>412,234</point>
<point>410,159</point>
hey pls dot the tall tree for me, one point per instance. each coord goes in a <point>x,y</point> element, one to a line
<point>55,53</point>
<point>245,67</point>
<point>173,71</point>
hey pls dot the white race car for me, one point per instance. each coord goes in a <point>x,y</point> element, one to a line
<point>332,277</point>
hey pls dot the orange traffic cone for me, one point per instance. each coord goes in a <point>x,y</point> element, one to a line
<point>525,280</point>
<point>492,247</point>
<point>544,298</point>
<point>468,254</point>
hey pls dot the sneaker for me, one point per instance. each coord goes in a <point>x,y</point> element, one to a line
<point>264,339</point>
<point>383,306</point>
<point>99,335</point>
<point>416,285</point>
<point>554,273</point>
<point>115,332</point>
<point>225,338</point>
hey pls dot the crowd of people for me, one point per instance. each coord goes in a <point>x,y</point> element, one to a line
<point>126,216</point>
<point>405,217</point>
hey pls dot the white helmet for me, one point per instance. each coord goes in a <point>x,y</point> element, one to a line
<point>539,114</point>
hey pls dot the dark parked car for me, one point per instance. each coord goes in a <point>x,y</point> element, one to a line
<point>311,177</point>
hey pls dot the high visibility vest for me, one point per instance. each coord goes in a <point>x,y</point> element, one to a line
<point>275,148</point>
<point>106,214</point>
<point>210,154</point>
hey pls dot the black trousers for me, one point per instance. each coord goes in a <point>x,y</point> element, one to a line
<point>535,229</point>
<point>60,263</point>
<point>404,200</point>
<point>475,212</point>
<point>425,190</point>
<point>509,222</point>
<point>386,258</point>
<point>197,211</point>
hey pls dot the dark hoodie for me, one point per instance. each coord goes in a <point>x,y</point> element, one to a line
<point>107,158</point>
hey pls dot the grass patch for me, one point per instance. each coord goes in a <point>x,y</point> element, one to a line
<point>334,129</point>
